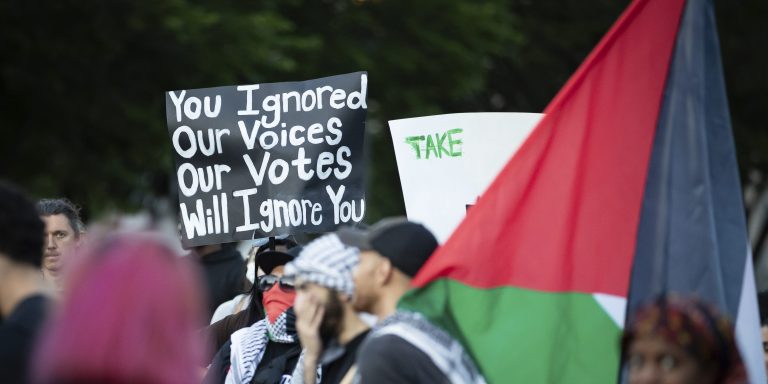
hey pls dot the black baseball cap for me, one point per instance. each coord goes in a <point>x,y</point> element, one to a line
<point>406,244</point>
<point>269,259</point>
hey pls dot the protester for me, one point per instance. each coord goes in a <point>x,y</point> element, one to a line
<point>329,328</point>
<point>224,271</point>
<point>404,347</point>
<point>220,331</point>
<point>63,228</point>
<point>242,300</point>
<point>23,299</point>
<point>268,350</point>
<point>763,302</point>
<point>128,314</point>
<point>679,340</point>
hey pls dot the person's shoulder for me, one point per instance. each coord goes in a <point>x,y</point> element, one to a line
<point>19,330</point>
<point>12,338</point>
<point>227,255</point>
<point>256,329</point>
<point>387,345</point>
<point>225,309</point>
<point>389,358</point>
<point>29,314</point>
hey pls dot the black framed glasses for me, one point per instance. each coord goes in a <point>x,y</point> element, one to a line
<point>266,282</point>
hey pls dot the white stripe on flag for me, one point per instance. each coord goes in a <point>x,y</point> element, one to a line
<point>748,335</point>
<point>614,306</point>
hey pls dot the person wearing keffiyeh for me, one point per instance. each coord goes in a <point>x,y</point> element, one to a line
<point>268,350</point>
<point>680,340</point>
<point>329,328</point>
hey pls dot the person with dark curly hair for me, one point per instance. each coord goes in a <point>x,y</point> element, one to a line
<point>676,340</point>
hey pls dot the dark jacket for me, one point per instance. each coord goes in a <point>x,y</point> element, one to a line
<point>17,336</point>
<point>224,272</point>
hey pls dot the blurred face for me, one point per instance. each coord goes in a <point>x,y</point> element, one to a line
<point>652,359</point>
<point>367,284</point>
<point>276,298</point>
<point>60,238</point>
<point>333,313</point>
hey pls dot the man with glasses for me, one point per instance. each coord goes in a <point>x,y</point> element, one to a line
<point>267,351</point>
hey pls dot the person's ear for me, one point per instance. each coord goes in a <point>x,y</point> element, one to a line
<point>80,238</point>
<point>384,272</point>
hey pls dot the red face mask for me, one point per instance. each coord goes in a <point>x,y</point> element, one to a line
<point>276,301</point>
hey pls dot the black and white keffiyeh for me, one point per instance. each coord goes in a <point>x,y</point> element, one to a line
<point>448,354</point>
<point>249,344</point>
<point>328,262</point>
<point>281,331</point>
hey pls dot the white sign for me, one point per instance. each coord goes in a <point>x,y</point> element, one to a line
<point>447,161</point>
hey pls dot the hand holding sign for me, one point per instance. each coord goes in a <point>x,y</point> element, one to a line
<point>266,159</point>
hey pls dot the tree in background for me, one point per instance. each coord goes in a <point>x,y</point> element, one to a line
<point>82,82</point>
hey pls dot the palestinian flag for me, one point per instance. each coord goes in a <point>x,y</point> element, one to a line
<point>632,172</point>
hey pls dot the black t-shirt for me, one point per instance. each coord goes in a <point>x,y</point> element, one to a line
<point>224,272</point>
<point>334,370</point>
<point>17,338</point>
<point>277,364</point>
<point>391,359</point>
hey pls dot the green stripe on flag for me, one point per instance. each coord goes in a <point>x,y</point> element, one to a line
<point>522,336</point>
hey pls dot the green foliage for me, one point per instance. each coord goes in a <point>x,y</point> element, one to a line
<point>82,82</point>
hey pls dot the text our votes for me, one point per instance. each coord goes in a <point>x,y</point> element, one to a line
<point>277,170</point>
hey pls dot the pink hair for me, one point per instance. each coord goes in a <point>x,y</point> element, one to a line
<point>129,313</point>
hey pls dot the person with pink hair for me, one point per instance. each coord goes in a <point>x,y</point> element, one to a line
<point>129,314</point>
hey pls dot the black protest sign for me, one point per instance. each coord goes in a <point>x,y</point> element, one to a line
<point>266,159</point>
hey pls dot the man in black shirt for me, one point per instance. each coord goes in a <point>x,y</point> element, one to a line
<point>329,328</point>
<point>404,347</point>
<point>23,304</point>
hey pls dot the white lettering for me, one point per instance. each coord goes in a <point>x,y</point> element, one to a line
<point>359,95</point>
<point>216,109</point>
<point>248,100</point>
<point>187,190</point>
<point>177,103</point>
<point>191,113</point>
<point>189,152</point>
<point>250,140</point>
<point>247,225</point>
<point>193,223</point>
<point>341,175</point>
